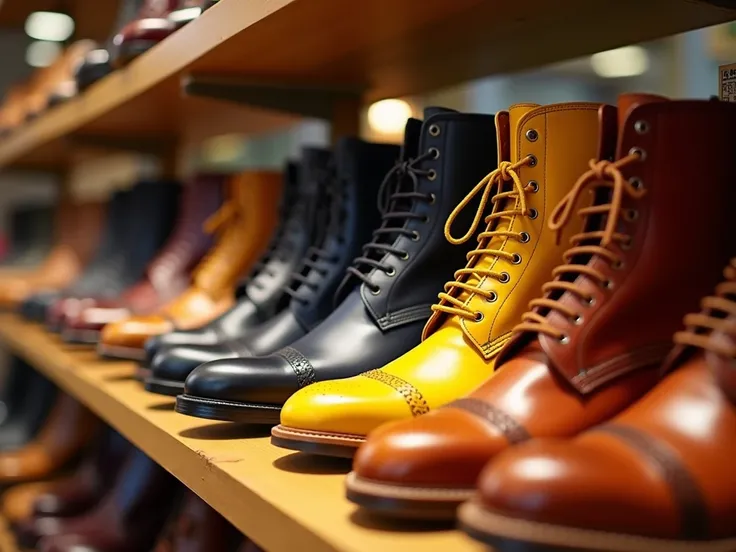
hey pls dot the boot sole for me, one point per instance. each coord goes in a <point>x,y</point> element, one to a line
<point>509,534</point>
<point>80,337</point>
<point>416,503</point>
<point>227,411</point>
<point>116,352</point>
<point>339,445</point>
<point>170,388</point>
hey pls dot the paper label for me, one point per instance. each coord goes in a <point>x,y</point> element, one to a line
<point>727,82</point>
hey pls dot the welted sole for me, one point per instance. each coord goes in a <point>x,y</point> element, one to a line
<point>227,411</point>
<point>160,386</point>
<point>507,534</point>
<point>419,503</point>
<point>340,445</point>
<point>115,352</point>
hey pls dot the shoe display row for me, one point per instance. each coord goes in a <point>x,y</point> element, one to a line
<point>494,320</point>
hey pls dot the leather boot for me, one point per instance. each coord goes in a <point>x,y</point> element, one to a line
<point>657,477</point>
<point>385,298</point>
<point>348,216</point>
<point>31,239</point>
<point>478,310</point>
<point>148,216</point>
<point>77,229</point>
<point>129,519</point>
<point>27,399</point>
<point>267,293</point>
<point>187,11</point>
<point>198,528</point>
<point>76,494</point>
<point>593,344</point>
<point>151,26</point>
<point>166,276</point>
<point>245,225</point>
<point>67,430</point>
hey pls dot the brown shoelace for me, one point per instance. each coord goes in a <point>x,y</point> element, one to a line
<point>714,319</point>
<point>590,243</point>
<point>506,172</point>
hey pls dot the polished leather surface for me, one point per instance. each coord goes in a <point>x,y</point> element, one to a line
<point>458,352</point>
<point>129,519</point>
<point>382,317</point>
<point>95,66</point>
<point>544,389</point>
<point>262,296</point>
<point>150,27</point>
<point>245,223</point>
<point>168,274</point>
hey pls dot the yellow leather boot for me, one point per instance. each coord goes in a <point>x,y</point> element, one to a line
<point>542,152</point>
<point>244,224</point>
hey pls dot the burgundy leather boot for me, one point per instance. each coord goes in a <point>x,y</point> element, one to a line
<point>167,276</point>
<point>150,27</point>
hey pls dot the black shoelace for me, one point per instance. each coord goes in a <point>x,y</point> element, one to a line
<point>397,197</point>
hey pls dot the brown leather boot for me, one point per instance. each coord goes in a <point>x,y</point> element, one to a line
<point>654,243</point>
<point>69,427</point>
<point>244,224</point>
<point>657,477</point>
<point>78,229</point>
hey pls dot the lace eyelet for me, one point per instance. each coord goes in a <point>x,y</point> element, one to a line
<point>589,301</point>
<point>577,320</point>
<point>524,237</point>
<point>376,291</point>
<point>425,219</point>
<point>608,284</point>
<point>627,244</point>
<point>532,160</point>
<point>617,265</point>
<point>478,316</point>
<point>564,340</point>
<point>432,199</point>
<point>533,213</point>
<point>504,278</point>
<point>534,185</point>
<point>405,256</point>
<point>630,215</point>
<point>434,130</point>
<point>492,297</point>
<point>435,153</point>
<point>415,236</point>
<point>390,272</point>
<point>432,174</point>
<point>640,152</point>
<point>636,183</point>
<point>517,259</point>
<point>641,127</point>
<point>532,135</point>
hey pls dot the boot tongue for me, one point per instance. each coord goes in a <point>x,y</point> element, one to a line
<point>412,132</point>
<point>628,102</point>
<point>516,113</point>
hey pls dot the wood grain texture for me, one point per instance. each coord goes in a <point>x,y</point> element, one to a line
<point>281,500</point>
<point>384,47</point>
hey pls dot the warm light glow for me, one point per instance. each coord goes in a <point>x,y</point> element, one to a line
<point>628,61</point>
<point>389,116</point>
<point>56,27</point>
<point>42,54</point>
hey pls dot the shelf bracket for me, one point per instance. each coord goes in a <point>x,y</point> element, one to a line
<point>338,104</point>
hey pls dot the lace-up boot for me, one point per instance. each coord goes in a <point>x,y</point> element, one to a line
<point>385,298</point>
<point>243,225</point>
<point>264,295</point>
<point>346,217</point>
<point>592,345</point>
<point>657,477</point>
<point>542,151</point>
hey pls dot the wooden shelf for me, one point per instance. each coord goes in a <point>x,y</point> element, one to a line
<point>281,500</point>
<point>382,47</point>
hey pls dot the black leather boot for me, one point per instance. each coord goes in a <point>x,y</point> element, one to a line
<point>385,298</point>
<point>31,237</point>
<point>348,217</point>
<point>263,295</point>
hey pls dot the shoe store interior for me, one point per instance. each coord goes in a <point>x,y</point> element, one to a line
<point>367,276</point>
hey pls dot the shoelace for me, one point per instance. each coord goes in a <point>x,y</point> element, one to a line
<point>714,318</point>
<point>586,244</point>
<point>506,172</point>
<point>221,222</point>
<point>391,199</point>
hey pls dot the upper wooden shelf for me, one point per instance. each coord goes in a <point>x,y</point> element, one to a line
<point>380,47</point>
<point>282,500</point>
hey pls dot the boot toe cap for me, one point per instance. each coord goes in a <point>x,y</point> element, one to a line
<point>176,363</point>
<point>133,332</point>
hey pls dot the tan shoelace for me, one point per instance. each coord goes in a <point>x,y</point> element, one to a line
<point>223,223</point>
<point>714,319</point>
<point>506,172</point>
<point>601,173</point>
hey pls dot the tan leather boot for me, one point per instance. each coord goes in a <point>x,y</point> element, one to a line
<point>245,224</point>
<point>655,242</point>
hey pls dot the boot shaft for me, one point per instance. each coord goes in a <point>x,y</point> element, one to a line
<point>81,227</point>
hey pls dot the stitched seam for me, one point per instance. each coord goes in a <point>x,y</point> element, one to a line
<point>511,429</point>
<point>413,397</point>
<point>408,314</point>
<point>343,436</point>
<point>303,369</point>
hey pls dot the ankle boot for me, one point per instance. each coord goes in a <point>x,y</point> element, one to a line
<point>657,477</point>
<point>167,276</point>
<point>151,26</point>
<point>130,517</point>
<point>542,150</point>
<point>245,224</point>
<point>322,268</point>
<point>385,298</point>
<point>263,295</point>
<point>593,344</point>
<point>66,431</point>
